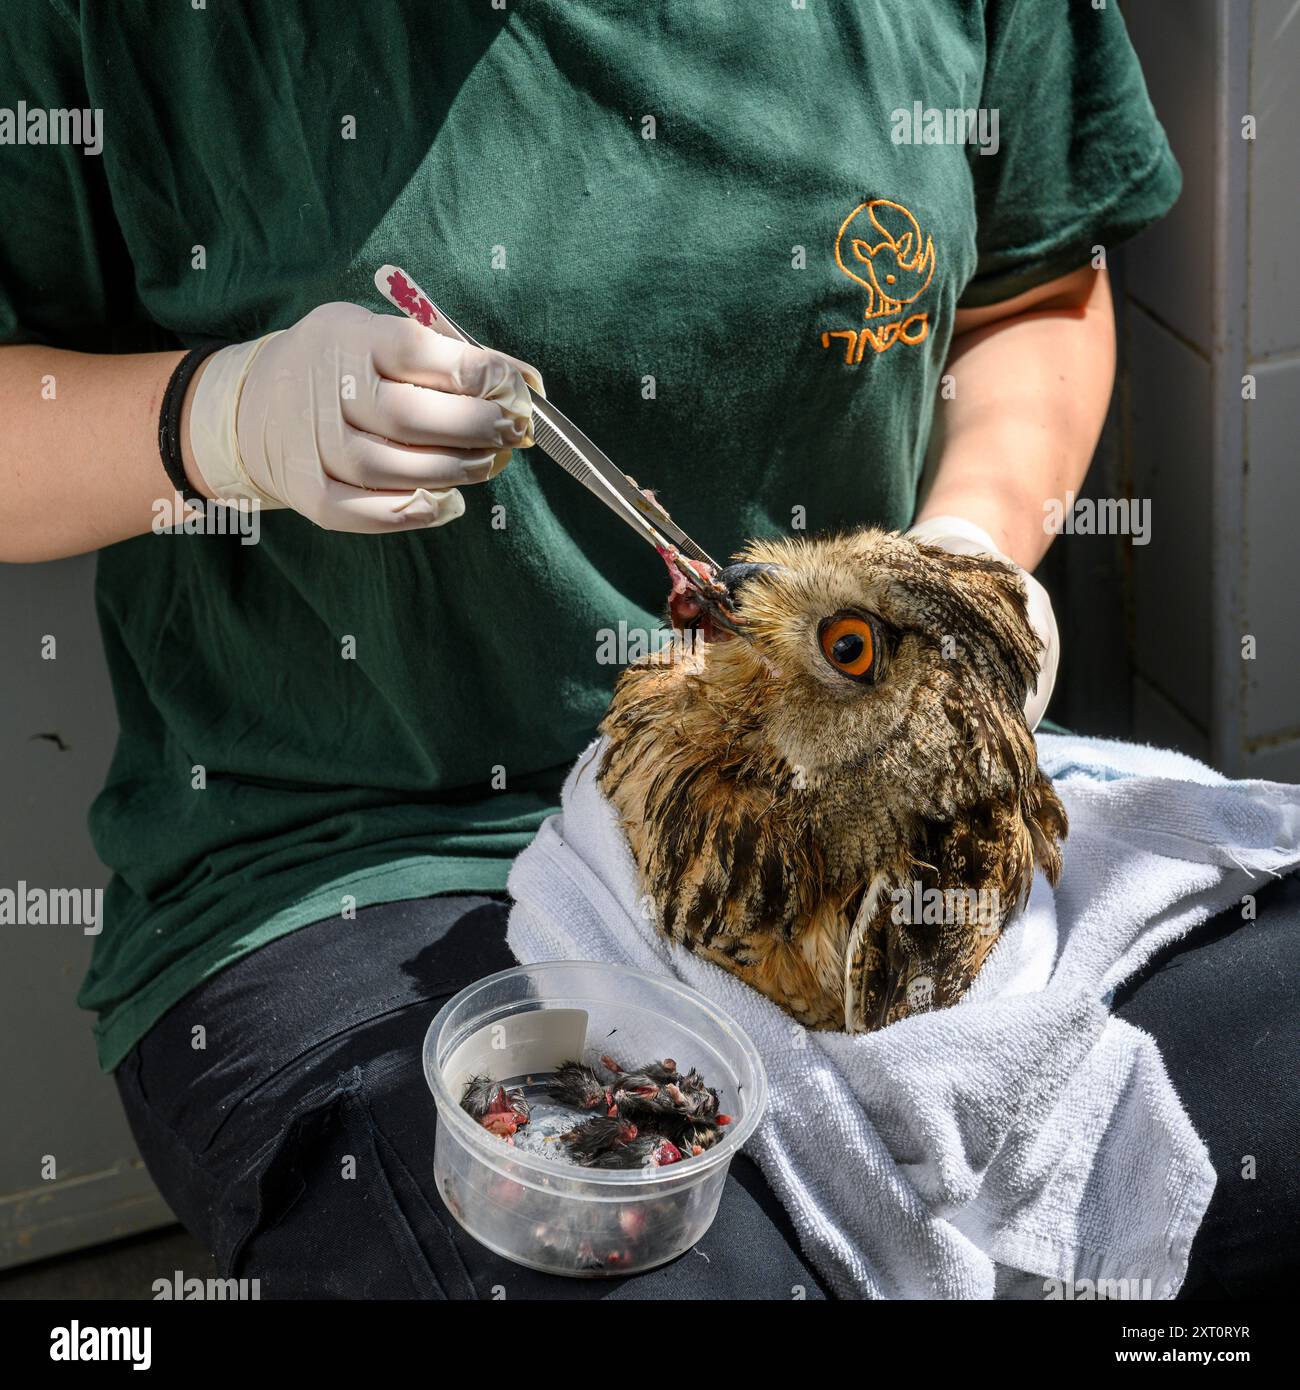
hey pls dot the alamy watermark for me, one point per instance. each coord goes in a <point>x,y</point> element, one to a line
<point>53,907</point>
<point>36,125</point>
<point>624,645</point>
<point>77,1343</point>
<point>192,1289</point>
<point>1089,1290</point>
<point>174,516</point>
<point>928,125</point>
<point>932,907</point>
<point>1098,516</point>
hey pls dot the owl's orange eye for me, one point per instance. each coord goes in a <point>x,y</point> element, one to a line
<point>849,644</point>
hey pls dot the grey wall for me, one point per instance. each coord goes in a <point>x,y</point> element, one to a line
<point>53,1099</point>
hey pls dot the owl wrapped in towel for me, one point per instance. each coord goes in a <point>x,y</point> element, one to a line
<point>831,790</point>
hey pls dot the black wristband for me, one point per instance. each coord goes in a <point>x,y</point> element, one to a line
<point>169,420</point>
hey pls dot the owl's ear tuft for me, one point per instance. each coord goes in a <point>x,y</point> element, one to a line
<point>986,603</point>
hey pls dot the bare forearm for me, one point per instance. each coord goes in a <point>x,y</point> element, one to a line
<point>1032,389</point>
<point>79,465</point>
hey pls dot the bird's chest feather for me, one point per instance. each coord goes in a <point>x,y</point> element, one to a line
<point>736,862</point>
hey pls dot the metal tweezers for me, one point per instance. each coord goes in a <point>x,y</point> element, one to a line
<point>564,442</point>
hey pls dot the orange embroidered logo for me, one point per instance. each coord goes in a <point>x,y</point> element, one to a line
<point>880,245</point>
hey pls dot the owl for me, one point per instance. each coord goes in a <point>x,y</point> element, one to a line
<point>828,785</point>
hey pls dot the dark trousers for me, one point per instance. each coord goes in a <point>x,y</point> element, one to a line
<point>296,1141</point>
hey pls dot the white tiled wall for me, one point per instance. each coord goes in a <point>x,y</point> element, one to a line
<point>1169,430</point>
<point>1272,693</point>
<point>1274,181</point>
<point>1169,270</point>
<point>1272,434</point>
<point>1211,295</point>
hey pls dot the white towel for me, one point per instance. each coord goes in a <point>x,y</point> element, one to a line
<point>1023,1132</point>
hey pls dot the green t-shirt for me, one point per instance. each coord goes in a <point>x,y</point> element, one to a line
<point>725,233</point>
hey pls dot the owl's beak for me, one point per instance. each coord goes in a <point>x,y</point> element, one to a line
<point>711,609</point>
<point>734,577</point>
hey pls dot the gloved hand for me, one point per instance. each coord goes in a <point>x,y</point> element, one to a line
<point>962,537</point>
<point>362,422</point>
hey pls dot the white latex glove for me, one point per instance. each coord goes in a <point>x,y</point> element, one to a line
<point>962,537</point>
<point>360,421</point>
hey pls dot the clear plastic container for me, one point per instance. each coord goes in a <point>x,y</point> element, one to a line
<point>539,1208</point>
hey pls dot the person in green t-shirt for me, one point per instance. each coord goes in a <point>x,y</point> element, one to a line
<point>750,247</point>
